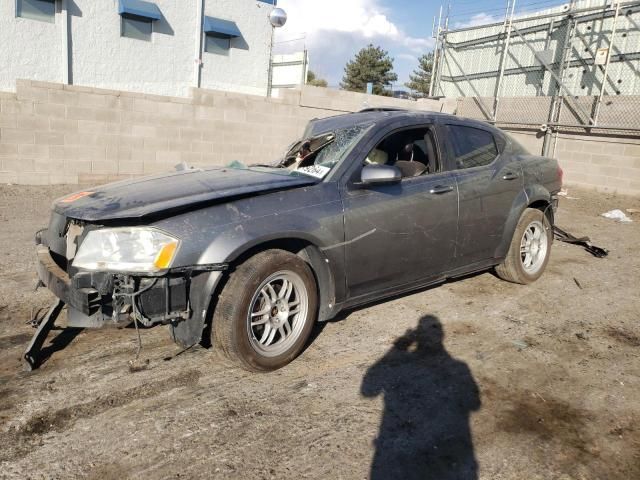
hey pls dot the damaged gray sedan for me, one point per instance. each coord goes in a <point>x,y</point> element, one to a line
<point>365,206</point>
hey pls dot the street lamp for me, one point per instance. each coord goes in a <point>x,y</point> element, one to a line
<point>277,18</point>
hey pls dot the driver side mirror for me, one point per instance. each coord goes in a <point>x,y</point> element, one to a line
<point>380,175</point>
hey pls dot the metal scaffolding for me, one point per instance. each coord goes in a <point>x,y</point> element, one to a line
<point>571,67</point>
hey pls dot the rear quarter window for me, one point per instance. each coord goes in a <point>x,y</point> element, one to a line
<point>472,147</point>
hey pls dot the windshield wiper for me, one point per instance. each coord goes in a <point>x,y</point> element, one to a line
<point>264,165</point>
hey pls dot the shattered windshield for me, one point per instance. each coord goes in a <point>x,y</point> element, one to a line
<point>314,156</point>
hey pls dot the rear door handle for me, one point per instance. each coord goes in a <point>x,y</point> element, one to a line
<point>510,176</point>
<point>440,189</point>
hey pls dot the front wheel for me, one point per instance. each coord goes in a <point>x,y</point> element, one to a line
<point>529,250</point>
<point>266,311</point>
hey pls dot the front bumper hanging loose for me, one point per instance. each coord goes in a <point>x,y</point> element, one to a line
<point>180,299</point>
<point>32,353</point>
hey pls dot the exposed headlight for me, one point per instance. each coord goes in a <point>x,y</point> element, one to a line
<point>136,249</point>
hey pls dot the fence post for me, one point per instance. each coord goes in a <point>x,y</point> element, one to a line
<point>503,61</point>
<point>606,66</point>
<point>436,58</point>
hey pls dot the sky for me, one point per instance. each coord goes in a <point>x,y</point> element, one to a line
<point>333,31</point>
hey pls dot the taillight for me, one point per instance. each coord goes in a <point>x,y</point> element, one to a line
<point>560,174</point>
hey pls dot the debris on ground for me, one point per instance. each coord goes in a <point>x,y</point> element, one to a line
<point>563,236</point>
<point>577,282</point>
<point>137,365</point>
<point>617,215</point>
<point>521,344</point>
<point>565,193</point>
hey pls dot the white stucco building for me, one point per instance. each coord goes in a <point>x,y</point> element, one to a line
<point>162,47</point>
<point>290,70</point>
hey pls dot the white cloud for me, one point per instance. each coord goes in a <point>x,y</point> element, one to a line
<point>334,30</point>
<point>477,19</point>
<point>362,17</point>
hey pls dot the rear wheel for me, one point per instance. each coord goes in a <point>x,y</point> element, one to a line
<point>529,250</point>
<point>266,311</point>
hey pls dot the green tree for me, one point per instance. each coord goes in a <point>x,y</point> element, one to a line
<point>371,64</point>
<point>420,80</point>
<point>313,80</point>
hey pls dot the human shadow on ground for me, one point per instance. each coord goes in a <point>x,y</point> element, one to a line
<point>429,396</point>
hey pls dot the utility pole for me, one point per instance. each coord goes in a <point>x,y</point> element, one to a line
<point>197,73</point>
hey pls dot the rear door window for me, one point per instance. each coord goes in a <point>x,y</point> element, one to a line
<point>472,147</point>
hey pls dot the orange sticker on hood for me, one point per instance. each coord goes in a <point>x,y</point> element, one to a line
<point>74,197</point>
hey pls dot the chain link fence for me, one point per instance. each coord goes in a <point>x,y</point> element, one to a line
<point>574,67</point>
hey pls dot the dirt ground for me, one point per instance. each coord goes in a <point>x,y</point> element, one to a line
<point>476,378</point>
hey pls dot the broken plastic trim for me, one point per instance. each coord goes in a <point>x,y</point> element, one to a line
<point>211,267</point>
<point>585,242</point>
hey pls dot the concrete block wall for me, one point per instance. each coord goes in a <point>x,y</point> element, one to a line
<point>55,133</point>
<point>343,101</point>
<point>606,163</point>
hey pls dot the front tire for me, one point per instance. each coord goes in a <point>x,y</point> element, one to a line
<point>529,250</point>
<point>266,311</point>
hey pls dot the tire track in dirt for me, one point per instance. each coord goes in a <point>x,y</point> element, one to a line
<point>20,440</point>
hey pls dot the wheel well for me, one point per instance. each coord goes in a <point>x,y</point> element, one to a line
<point>545,207</point>
<point>306,250</point>
<point>293,245</point>
<point>317,261</point>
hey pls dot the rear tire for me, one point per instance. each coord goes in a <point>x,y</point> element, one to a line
<point>529,250</point>
<point>266,311</point>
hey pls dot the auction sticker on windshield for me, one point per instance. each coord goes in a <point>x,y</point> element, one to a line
<point>317,171</point>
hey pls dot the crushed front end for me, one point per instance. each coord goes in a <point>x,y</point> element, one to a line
<point>100,291</point>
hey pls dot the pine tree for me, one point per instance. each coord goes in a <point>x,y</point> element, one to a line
<point>420,80</point>
<point>371,64</point>
<point>313,80</point>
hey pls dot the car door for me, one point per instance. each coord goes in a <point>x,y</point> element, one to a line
<point>488,183</point>
<point>398,234</point>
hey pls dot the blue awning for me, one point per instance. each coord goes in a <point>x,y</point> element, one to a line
<point>221,28</point>
<point>138,8</point>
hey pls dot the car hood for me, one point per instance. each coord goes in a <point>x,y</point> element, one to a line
<point>171,193</point>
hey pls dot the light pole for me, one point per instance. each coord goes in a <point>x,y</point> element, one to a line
<point>277,18</point>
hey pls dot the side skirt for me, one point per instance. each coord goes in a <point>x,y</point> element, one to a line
<point>402,289</point>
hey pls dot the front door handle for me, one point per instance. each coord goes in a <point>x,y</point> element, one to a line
<point>440,189</point>
<point>510,176</point>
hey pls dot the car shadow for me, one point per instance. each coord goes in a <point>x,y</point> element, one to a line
<point>344,314</point>
<point>428,399</point>
<point>59,342</point>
